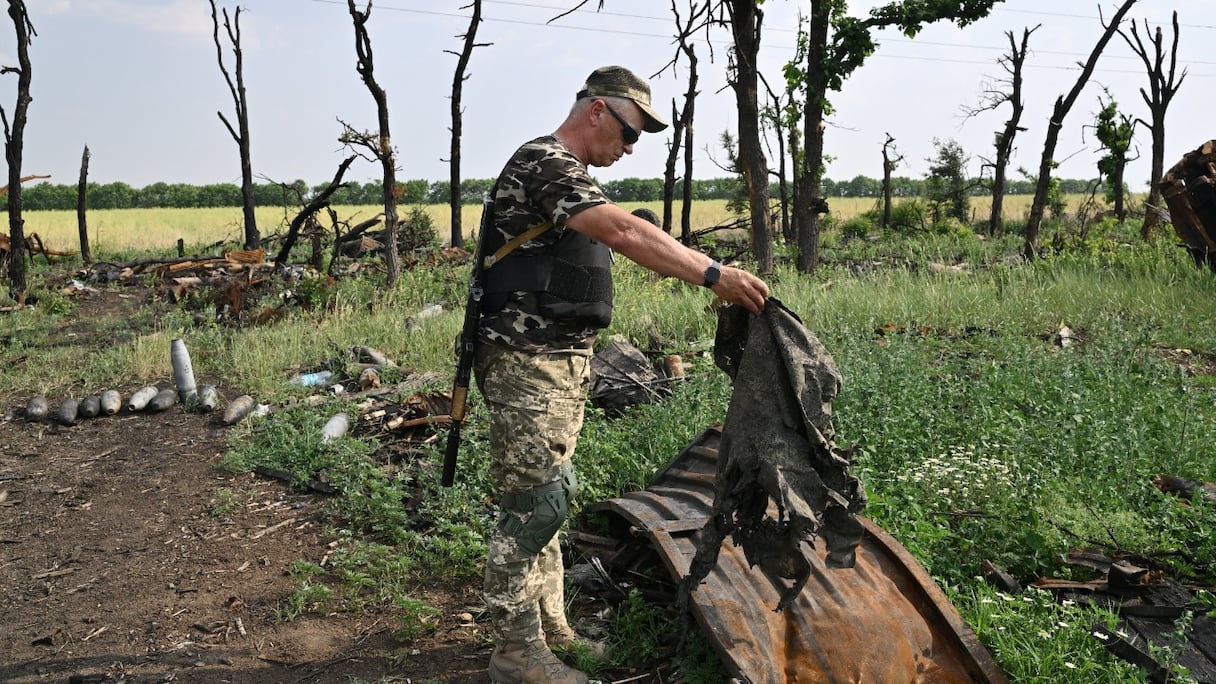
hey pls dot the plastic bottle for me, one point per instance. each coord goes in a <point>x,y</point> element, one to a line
<point>312,379</point>
<point>183,370</point>
<point>335,427</point>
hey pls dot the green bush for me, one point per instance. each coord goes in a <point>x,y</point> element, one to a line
<point>909,216</point>
<point>857,227</point>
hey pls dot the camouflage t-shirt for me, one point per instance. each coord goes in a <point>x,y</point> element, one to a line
<point>543,182</point>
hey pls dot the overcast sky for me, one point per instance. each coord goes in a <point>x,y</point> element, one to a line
<point>138,82</point>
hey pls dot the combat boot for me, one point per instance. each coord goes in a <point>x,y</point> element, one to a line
<point>531,663</point>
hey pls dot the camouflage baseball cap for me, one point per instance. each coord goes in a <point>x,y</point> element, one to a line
<point>617,81</point>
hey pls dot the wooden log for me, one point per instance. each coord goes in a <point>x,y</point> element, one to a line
<point>1185,488</point>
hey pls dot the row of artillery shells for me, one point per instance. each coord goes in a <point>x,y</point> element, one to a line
<point>148,399</point>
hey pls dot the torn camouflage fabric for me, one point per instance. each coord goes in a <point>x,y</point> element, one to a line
<point>777,447</point>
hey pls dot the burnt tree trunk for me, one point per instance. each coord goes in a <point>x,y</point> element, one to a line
<point>889,162</point>
<point>686,123</point>
<point>309,211</point>
<point>462,62</point>
<point>383,147</point>
<point>1012,64</point>
<point>82,197</point>
<point>1162,88</point>
<point>669,168</point>
<point>807,202</point>
<point>1063,104</point>
<point>681,123</point>
<point>787,227</point>
<point>746,20</point>
<point>14,141</point>
<point>240,134</point>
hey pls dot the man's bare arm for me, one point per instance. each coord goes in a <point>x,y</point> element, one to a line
<point>654,249</point>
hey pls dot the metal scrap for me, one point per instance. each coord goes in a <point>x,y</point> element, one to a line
<point>884,620</point>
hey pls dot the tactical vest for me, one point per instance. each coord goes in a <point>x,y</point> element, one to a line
<point>572,279</point>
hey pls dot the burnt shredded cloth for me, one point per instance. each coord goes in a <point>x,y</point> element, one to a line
<point>777,446</point>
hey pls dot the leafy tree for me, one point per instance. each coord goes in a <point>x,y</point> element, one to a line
<point>947,188</point>
<point>473,190</point>
<point>993,99</point>
<point>831,46</point>
<point>414,191</point>
<point>634,189</point>
<point>859,186</point>
<point>1064,103</point>
<point>280,194</point>
<point>110,195</point>
<point>736,194</point>
<point>1114,131</point>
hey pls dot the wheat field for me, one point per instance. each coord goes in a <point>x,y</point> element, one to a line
<point>207,230</point>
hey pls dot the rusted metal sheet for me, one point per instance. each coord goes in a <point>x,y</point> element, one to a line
<point>884,620</point>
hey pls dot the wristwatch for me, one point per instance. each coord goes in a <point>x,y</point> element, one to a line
<point>712,273</point>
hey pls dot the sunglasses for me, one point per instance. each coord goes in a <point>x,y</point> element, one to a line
<point>628,133</point>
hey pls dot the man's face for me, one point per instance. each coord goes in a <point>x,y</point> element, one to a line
<point>617,128</point>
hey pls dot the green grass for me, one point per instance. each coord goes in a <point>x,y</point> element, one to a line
<point>946,346</point>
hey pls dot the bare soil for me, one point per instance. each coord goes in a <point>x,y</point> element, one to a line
<point>121,561</point>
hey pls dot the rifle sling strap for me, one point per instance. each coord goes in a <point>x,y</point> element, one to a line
<point>502,252</point>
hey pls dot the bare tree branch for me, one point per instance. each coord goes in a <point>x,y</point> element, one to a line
<point>383,149</point>
<point>1163,85</point>
<point>458,79</point>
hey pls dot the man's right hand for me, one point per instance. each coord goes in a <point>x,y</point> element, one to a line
<point>740,287</point>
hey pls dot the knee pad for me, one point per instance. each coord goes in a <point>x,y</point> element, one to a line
<point>547,505</point>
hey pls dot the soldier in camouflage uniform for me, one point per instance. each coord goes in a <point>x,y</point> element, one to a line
<point>544,303</point>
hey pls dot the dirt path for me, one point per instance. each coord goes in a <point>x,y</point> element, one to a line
<point>126,555</point>
<point>122,555</point>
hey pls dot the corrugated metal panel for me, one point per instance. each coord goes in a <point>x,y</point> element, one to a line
<point>884,620</point>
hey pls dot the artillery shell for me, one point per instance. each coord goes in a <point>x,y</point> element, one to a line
<point>111,402</point>
<point>208,398</point>
<point>335,427</point>
<point>369,378</point>
<point>67,413</point>
<point>183,370</point>
<point>37,408</point>
<point>237,409</point>
<point>163,400</point>
<point>141,398</point>
<point>372,355</point>
<point>90,406</point>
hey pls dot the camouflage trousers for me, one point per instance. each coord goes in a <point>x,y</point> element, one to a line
<point>536,403</point>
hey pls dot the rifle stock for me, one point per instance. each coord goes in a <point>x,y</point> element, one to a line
<point>466,346</point>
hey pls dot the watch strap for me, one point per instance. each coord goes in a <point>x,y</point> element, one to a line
<point>712,273</point>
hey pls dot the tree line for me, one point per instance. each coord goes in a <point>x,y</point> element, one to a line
<point>119,195</point>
